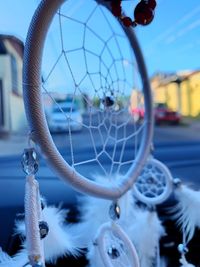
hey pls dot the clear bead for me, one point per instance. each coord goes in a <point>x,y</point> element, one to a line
<point>29,161</point>
<point>114,211</point>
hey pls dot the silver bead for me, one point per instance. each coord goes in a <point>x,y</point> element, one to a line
<point>113,252</point>
<point>114,211</point>
<point>29,161</point>
<point>177,182</point>
<point>44,229</point>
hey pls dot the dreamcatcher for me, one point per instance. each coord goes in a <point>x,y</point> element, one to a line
<point>47,236</point>
<point>154,185</point>
<point>154,182</point>
<point>106,59</point>
<point>110,65</point>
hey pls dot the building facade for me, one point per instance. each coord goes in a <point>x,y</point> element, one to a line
<point>12,114</point>
<point>180,91</point>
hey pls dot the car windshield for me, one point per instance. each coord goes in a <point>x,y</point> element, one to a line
<point>84,116</point>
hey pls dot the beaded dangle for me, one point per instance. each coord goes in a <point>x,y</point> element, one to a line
<point>112,243</point>
<point>36,229</point>
<point>182,248</point>
<point>143,13</point>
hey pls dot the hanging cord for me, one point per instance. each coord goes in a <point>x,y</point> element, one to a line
<point>32,218</point>
<point>32,206</point>
<point>182,248</point>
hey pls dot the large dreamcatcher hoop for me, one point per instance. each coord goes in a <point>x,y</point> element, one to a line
<point>36,117</point>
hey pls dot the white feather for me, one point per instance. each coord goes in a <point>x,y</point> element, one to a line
<point>95,212</point>
<point>19,260</point>
<point>145,232</point>
<point>59,241</point>
<point>184,263</point>
<point>94,257</point>
<point>186,211</point>
<point>4,257</point>
<point>143,227</point>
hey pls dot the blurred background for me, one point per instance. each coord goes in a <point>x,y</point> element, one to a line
<point>170,45</point>
<point>171,48</point>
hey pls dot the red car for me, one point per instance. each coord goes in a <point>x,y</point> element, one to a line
<point>138,113</point>
<point>163,114</point>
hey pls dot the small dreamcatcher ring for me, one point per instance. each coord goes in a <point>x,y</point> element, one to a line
<point>154,185</point>
<point>115,247</point>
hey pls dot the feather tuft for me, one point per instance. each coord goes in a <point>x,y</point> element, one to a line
<point>186,210</point>
<point>184,263</point>
<point>133,221</point>
<point>60,240</point>
<point>19,260</point>
<point>145,232</point>
<point>95,212</point>
<point>4,257</point>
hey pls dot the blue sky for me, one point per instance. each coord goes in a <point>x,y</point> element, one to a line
<point>170,43</point>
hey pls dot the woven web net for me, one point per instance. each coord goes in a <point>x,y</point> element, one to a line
<point>91,86</point>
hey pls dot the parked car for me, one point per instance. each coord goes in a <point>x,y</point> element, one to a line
<point>138,113</point>
<point>163,114</point>
<point>64,117</point>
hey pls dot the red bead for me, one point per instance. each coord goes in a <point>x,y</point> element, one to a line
<point>151,4</point>
<point>127,21</point>
<point>143,14</point>
<point>116,11</point>
<point>116,8</point>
